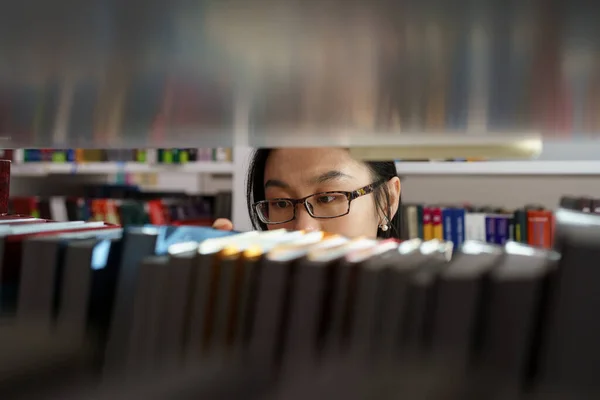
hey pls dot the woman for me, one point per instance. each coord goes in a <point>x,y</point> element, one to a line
<point>322,189</point>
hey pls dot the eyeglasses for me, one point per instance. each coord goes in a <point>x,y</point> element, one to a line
<point>323,205</point>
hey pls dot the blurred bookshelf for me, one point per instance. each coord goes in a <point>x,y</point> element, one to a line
<point>123,185</point>
<point>533,167</point>
<point>268,84</point>
<point>40,162</point>
<point>90,168</point>
<point>126,205</point>
<point>515,84</point>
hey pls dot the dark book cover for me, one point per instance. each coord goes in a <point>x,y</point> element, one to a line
<point>12,239</point>
<point>4,185</point>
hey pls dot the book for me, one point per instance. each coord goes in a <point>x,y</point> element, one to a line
<point>140,303</point>
<point>126,205</point>
<point>530,224</point>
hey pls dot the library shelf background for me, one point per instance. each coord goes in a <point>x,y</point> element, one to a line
<point>112,168</point>
<point>164,312</point>
<point>412,87</point>
<point>178,311</point>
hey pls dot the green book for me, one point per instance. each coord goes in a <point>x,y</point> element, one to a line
<point>59,156</point>
<point>167,156</point>
<point>140,156</point>
<point>520,226</point>
<point>184,156</point>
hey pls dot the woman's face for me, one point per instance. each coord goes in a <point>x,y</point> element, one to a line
<point>297,173</point>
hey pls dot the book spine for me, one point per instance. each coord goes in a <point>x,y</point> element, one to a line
<point>596,206</point>
<point>420,221</point>
<point>490,229</point>
<point>511,228</point>
<point>436,222</point>
<point>427,224</point>
<point>521,226</point>
<point>501,231</point>
<point>448,221</point>
<point>539,226</point>
<point>412,222</point>
<point>4,185</point>
<point>470,230</point>
<point>475,226</point>
<point>459,218</point>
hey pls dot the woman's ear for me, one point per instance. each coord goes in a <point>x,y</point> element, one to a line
<point>394,189</point>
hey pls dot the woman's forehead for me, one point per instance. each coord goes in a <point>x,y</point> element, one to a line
<point>313,166</point>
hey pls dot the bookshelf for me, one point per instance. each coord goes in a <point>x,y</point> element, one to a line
<point>246,70</point>
<point>107,168</point>
<point>388,80</point>
<point>524,168</point>
<point>163,173</point>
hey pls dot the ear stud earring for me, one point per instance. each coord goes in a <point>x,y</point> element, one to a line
<point>384,227</point>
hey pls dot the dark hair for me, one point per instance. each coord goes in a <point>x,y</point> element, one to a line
<point>380,170</point>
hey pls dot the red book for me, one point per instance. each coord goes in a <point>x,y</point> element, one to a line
<point>4,185</point>
<point>540,228</point>
<point>156,213</point>
<point>6,154</point>
<point>25,206</point>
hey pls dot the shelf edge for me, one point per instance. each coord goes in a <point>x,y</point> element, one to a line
<point>499,168</point>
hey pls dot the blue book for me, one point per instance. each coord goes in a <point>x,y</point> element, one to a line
<point>459,224</point>
<point>501,231</point>
<point>448,224</point>
<point>453,220</point>
<point>32,155</point>
<point>490,228</point>
<point>70,155</point>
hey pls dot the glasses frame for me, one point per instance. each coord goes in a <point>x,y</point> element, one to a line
<point>350,196</point>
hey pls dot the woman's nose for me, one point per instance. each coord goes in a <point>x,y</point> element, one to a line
<point>304,221</point>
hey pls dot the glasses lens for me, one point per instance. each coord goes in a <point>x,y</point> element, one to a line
<point>329,205</point>
<point>275,211</point>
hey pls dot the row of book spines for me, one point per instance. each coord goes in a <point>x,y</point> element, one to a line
<point>108,210</point>
<point>583,204</point>
<point>455,160</point>
<point>161,156</point>
<point>533,227</point>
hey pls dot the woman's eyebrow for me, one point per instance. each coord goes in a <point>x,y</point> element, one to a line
<point>330,176</point>
<point>276,183</point>
<point>322,178</point>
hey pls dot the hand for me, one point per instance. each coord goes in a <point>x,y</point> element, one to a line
<point>223,224</point>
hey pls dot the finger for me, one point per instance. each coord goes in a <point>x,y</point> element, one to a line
<point>223,224</point>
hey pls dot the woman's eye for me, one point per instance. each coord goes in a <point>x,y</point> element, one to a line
<point>281,204</point>
<point>325,199</point>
